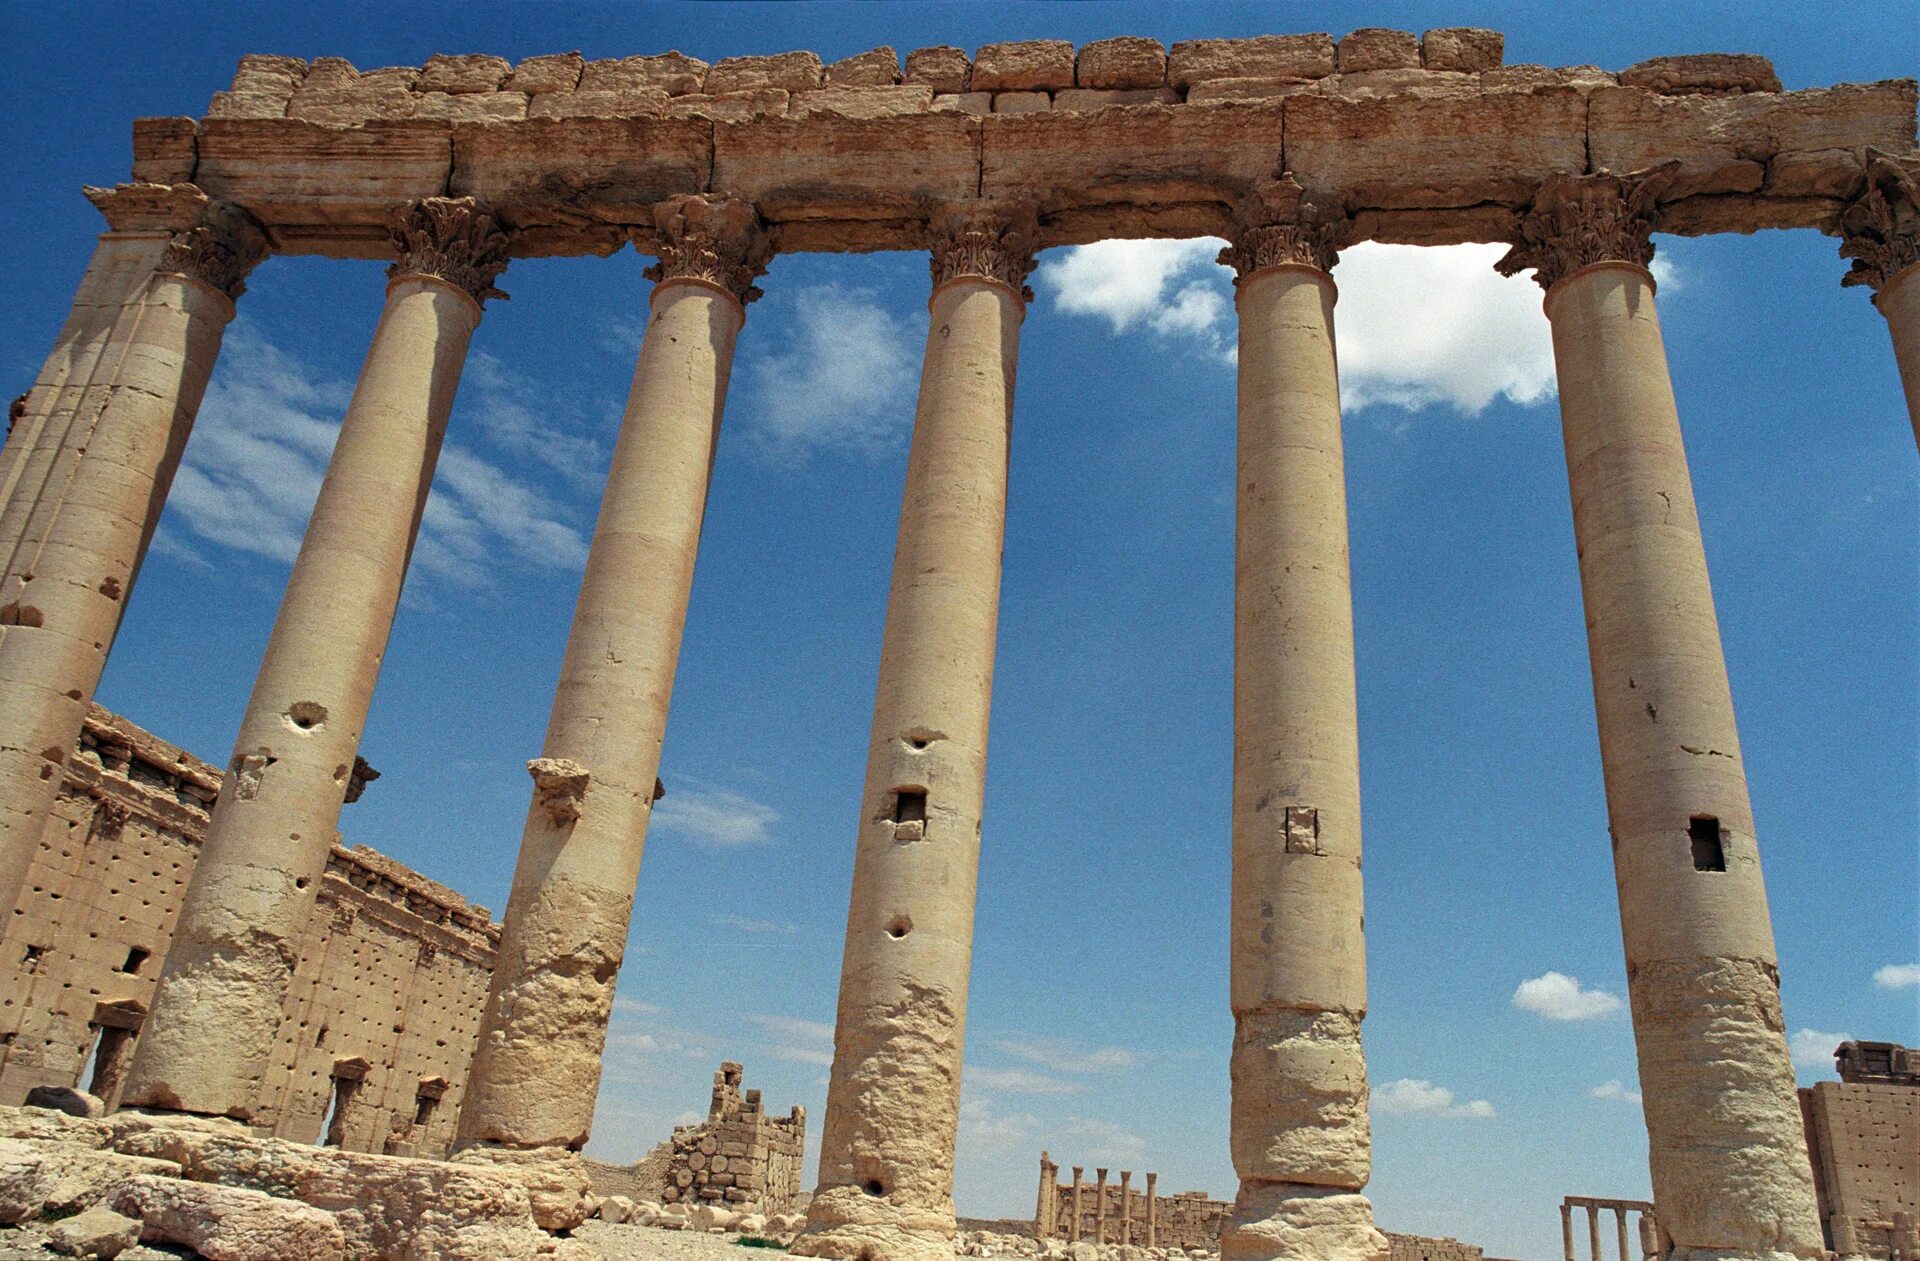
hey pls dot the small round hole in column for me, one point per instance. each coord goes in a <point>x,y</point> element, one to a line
<point>900,926</point>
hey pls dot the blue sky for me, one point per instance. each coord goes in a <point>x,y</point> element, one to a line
<point>1501,1058</point>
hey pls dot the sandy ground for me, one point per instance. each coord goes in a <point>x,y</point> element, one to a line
<point>644,1243</point>
<point>27,1243</point>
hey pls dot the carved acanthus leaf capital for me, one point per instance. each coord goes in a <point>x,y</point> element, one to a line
<point>1280,222</point>
<point>979,239</point>
<point>1880,228</point>
<point>1579,220</point>
<point>212,241</point>
<point>710,237</point>
<point>452,239</point>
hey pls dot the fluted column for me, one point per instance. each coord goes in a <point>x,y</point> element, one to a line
<point>217,1010</point>
<point>1880,231</point>
<point>1300,1138</point>
<point>536,1070</point>
<point>1729,1159</point>
<point>886,1164</point>
<point>86,470</point>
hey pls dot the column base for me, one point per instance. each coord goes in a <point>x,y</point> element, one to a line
<point>556,1180</point>
<point>1275,1220</point>
<point>848,1224</point>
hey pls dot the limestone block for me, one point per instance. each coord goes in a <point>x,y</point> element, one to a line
<point>1724,141</point>
<point>1028,65</point>
<point>75,1103</point>
<point>851,168</point>
<point>627,103</point>
<point>1020,102</point>
<point>1281,1220</point>
<point>616,1208</point>
<point>732,106</point>
<point>789,72</point>
<point>164,149</point>
<point>49,1126</point>
<point>1246,89</point>
<point>1713,74</point>
<point>638,160</point>
<point>1089,98</point>
<point>710,1217</point>
<point>1263,57</point>
<point>558,1188</point>
<point>247,105</point>
<point>1364,83</point>
<point>331,72</point>
<point>943,68</point>
<point>229,1223</point>
<point>1529,78</point>
<point>41,1177</point>
<point>283,169</point>
<point>1467,48</point>
<point>674,73</point>
<point>872,102</point>
<point>98,1232</point>
<point>1125,61</point>
<point>553,72</point>
<point>470,72</point>
<point>268,75</point>
<point>1378,48</point>
<point>965,102</point>
<point>877,68</point>
<point>351,106</point>
<point>750,1224</point>
<point>471,107</point>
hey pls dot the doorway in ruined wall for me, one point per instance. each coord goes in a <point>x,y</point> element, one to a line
<point>349,1076</point>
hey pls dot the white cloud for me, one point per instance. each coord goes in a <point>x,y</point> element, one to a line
<point>1063,1057</point>
<point>1813,1048</point>
<point>716,817</point>
<point>623,1006</point>
<point>519,418</point>
<point>982,1126</point>
<point>1098,1140</point>
<point>1557,996</point>
<point>1416,326</point>
<point>846,378</point>
<point>1614,1090</point>
<point>794,1040</point>
<point>1411,1096</point>
<point>756,927</point>
<point>1020,1081</point>
<point>1898,976</point>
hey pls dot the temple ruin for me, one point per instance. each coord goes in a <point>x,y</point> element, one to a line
<point>1292,148</point>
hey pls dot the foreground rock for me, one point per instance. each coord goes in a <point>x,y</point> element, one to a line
<point>98,1232</point>
<point>229,1223</point>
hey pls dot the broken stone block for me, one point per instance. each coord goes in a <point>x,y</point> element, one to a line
<point>876,102</point>
<point>943,68</point>
<point>98,1232</point>
<point>40,1177</point>
<point>627,103</point>
<point>470,72</point>
<point>269,75</point>
<point>1466,48</point>
<point>1712,74</point>
<point>229,1223</point>
<point>877,68</point>
<point>1378,48</point>
<point>471,107</point>
<point>732,107</point>
<point>75,1103</point>
<point>556,1180</point>
<point>1089,98</point>
<point>554,72</point>
<point>1029,65</point>
<point>246,105</point>
<point>1529,78</point>
<point>1263,57</point>
<point>789,72</point>
<point>1126,61</point>
<point>616,1208</point>
<point>674,73</point>
<point>1020,102</point>
<point>965,102</point>
<point>1214,90</point>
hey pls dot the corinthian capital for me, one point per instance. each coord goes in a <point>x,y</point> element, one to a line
<point>1280,222</point>
<point>452,239</point>
<point>1880,228</point>
<point>1580,220</point>
<point>993,242</point>
<point>710,237</point>
<point>219,249</point>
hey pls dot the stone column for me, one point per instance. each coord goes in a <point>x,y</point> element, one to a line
<point>1301,1143</point>
<point>1126,1207</point>
<point>1880,232</point>
<point>1100,1206</point>
<point>1620,1228</point>
<point>1566,1231</point>
<point>1152,1210</point>
<point>87,468</point>
<point>217,1010</point>
<point>1073,1231</point>
<point>1729,1158</point>
<point>1043,1213</point>
<point>1593,1232</point>
<point>886,1164</point>
<point>536,1070</point>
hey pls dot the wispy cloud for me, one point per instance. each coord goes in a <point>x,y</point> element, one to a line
<point>1615,1090</point>
<point>1410,1096</point>
<point>1898,976</point>
<point>844,378</point>
<point>756,927</point>
<point>794,1040</point>
<point>714,816</point>
<point>1064,1057</point>
<point>1172,288</point>
<point>1020,1081</point>
<point>1557,996</point>
<point>1814,1048</point>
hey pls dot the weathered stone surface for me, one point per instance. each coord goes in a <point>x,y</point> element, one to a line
<point>615,1208</point>
<point>556,1180</point>
<point>553,72</point>
<point>789,72</point>
<point>626,103</point>
<point>1021,102</point>
<point>1424,83</point>
<point>225,1223</point>
<point>1378,48</point>
<point>1528,78</point>
<point>965,102</point>
<point>674,73</point>
<point>471,107</point>
<point>75,1103</point>
<point>1712,74</point>
<point>641,160</point>
<point>471,72</point>
<point>164,150</point>
<point>876,68</point>
<point>1214,90</point>
<point>247,105</point>
<point>1031,65</point>
<point>51,1177</point>
<point>1263,57</point>
<point>1089,98</point>
<point>351,106</point>
<point>1126,61</point>
<point>875,102</point>
<point>732,106</point>
<point>1467,48</point>
<point>98,1232</point>
<point>267,75</point>
<point>853,167</point>
<point>943,68</point>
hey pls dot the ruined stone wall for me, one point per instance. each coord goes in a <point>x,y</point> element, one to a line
<point>737,1156</point>
<point>387,995</point>
<point>1421,1248</point>
<point>1864,1137</point>
<point>1189,1220</point>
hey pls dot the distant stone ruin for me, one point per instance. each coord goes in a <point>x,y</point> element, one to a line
<point>1864,1135</point>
